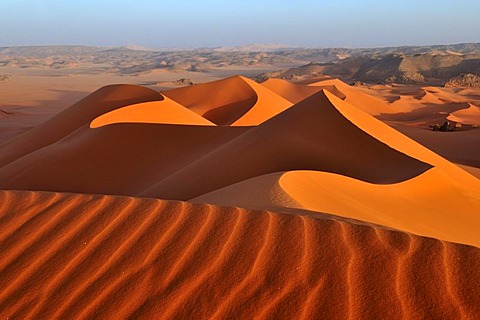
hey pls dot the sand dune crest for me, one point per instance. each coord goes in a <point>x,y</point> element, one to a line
<point>235,101</point>
<point>165,111</point>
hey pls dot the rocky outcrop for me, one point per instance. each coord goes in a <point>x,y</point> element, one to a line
<point>466,80</point>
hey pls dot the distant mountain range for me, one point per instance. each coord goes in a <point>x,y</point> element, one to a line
<point>408,64</point>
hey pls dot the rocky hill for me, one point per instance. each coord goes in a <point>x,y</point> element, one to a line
<point>424,68</point>
<point>465,80</point>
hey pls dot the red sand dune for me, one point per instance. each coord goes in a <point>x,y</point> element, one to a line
<point>81,256</point>
<point>362,221</point>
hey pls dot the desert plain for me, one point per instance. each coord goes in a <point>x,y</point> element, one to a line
<point>181,190</point>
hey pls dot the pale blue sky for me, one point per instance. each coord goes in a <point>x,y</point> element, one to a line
<point>211,23</point>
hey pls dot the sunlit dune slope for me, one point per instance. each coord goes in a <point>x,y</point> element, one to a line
<point>165,111</point>
<point>429,205</point>
<point>84,256</point>
<point>236,101</point>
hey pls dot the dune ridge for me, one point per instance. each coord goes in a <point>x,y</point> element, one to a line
<point>108,256</point>
<point>165,111</point>
<point>290,91</point>
<point>235,101</point>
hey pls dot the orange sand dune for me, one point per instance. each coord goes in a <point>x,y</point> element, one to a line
<point>126,158</point>
<point>83,256</point>
<point>236,101</point>
<point>470,115</point>
<point>417,108</point>
<point>322,134</point>
<point>311,135</point>
<point>83,112</point>
<point>290,91</point>
<point>362,222</point>
<point>165,111</point>
<point>444,210</point>
<point>413,205</point>
<point>364,102</point>
<point>422,105</point>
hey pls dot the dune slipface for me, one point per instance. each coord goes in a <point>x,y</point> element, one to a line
<point>233,199</point>
<point>83,256</point>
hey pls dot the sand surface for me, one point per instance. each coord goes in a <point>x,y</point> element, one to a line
<point>82,256</point>
<point>232,198</point>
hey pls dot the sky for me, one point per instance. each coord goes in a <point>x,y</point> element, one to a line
<point>214,23</point>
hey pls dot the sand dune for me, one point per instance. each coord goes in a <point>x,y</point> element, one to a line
<point>419,107</point>
<point>311,135</point>
<point>441,190</point>
<point>321,134</point>
<point>82,256</point>
<point>165,111</point>
<point>470,115</point>
<point>357,220</point>
<point>290,91</point>
<point>235,101</point>
<point>456,146</point>
<point>364,102</point>
<point>444,210</point>
<point>116,159</point>
<point>81,113</point>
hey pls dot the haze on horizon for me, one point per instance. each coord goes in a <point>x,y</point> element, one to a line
<point>213,23</point>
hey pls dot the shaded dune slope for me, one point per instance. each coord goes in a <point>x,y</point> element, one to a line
<point>84,256</point>
<point>121,158</point>
<point>312,135</point>
<point>103,100</point>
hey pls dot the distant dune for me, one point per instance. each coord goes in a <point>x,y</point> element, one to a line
<point>233,199</point>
